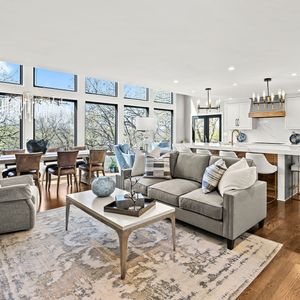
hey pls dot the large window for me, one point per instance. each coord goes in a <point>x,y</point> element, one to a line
<point>54,80</point>
<point>164,126</point>
<point>10,73</point>
<point>163,97</point>
<point>10,121</point>
<point>131,136</point>
<point>136,92</point>
<point>101,87</point>
<point>55,121</point>
<point>100,125</point>
<point>207,129</point>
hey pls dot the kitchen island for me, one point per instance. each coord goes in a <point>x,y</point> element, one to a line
<point>286,155</point>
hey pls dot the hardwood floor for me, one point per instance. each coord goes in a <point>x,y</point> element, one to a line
<point>281,278</point>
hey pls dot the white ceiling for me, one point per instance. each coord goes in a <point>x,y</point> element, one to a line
<point>155,42</point>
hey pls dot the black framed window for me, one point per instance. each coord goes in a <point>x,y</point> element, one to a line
<point>11,73</point>
<point>207,128</point>
<point>164,131</point>
<point>136,92</point>
<point>101,125</point>
<point>163,97</point>
<point>131,135</point>
<point>10,121</point>
<point>55,120</point>
<point>101,87</point>
<point>54,80</point>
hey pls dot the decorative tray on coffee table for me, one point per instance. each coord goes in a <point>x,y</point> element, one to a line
<point>138,211</point>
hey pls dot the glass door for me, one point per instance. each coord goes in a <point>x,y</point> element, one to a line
<point>207,129</point>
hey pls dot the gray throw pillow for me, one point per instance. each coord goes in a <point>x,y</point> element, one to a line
<point>213,175</point>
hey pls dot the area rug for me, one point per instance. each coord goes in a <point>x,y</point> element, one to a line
<point>83,263</point>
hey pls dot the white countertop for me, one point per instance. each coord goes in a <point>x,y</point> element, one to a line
<point>285,149</point>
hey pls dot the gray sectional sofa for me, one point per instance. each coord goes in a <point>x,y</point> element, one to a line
<point>228,216</point>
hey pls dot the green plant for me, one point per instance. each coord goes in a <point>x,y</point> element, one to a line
<point>113,164</point>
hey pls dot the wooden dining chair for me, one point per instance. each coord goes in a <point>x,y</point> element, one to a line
<point>95,163</point>
<point>29,163</point>
<point>12,152</point>
<point>66,166</point>
<point>48,163</point>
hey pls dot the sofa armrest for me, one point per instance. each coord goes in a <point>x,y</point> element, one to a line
<point>15,192</point>
<point>242,209</point>
<point>120,178</point>
<point>24,179</point>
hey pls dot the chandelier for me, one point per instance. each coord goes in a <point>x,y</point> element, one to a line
<point>208,106</point>
<point>9,106</point>
<point>269,98</point>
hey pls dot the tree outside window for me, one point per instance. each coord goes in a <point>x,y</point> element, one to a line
<point>10,122</point>
<point>131,135</point>
<point>100,125</point>
<point>54,120</point>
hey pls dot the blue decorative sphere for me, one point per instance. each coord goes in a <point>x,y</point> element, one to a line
<point>103,186</point>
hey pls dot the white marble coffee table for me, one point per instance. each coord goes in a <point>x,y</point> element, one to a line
<point>122,224</point>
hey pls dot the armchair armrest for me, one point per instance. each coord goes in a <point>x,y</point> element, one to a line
<point>120,178</point>
<point>15,192</point>
<point>25,179</point>
<point>242,209</point>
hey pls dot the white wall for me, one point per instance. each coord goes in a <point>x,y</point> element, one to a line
<point>82,97</point>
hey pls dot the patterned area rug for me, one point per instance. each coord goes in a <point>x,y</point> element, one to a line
<point>83,263</point>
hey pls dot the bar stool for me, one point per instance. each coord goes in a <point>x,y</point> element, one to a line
<point>295,168</point>
<point>227,154</point>
<point>264,167</point>
<point>203,152</point>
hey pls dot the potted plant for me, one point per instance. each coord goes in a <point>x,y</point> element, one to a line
<point>113,167</point>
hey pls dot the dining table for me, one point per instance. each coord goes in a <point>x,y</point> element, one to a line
<point>47,157</point>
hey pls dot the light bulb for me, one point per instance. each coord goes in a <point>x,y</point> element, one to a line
<point>264,95</point>
<point>253,96</point>
<point>283,95</point>
<point>258,98</point>
<point>272,97</point>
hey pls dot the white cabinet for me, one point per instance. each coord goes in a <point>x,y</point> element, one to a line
<point>237,115</point>
<point>292,119</point>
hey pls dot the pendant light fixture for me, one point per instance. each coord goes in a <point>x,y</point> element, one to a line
<point>208,107</point>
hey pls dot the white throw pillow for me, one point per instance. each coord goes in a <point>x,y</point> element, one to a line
<point>238,176</point>
<point>138,168</point>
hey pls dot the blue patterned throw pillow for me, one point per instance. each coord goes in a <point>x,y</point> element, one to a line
<point>213,175</point>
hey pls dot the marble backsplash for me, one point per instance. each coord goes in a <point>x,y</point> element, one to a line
<point>268,130</point>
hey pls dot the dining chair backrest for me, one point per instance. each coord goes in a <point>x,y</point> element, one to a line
<point>14,151</point>
<point>67,159</point>
<point>78,148</point>
<point>52,149</point>
<point>28,162</point>
<point>97,157</point>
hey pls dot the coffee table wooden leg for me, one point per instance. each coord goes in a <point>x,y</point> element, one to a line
<point>123,238</point>
<point>67,214</point>
<point>173,220</point>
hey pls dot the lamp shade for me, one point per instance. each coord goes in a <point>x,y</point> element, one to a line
<point>146,123</point>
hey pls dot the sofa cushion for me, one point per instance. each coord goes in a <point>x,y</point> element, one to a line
<point>210,205</point>
<point>170,190</point>
<point>229,160</point>
<point>142,185</point>
<point>191,166</point>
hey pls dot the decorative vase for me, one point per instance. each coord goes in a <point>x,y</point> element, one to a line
<point>295,138</point>
<point>103,186</point>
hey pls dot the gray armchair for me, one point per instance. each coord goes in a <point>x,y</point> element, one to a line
<point>18,199</point>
